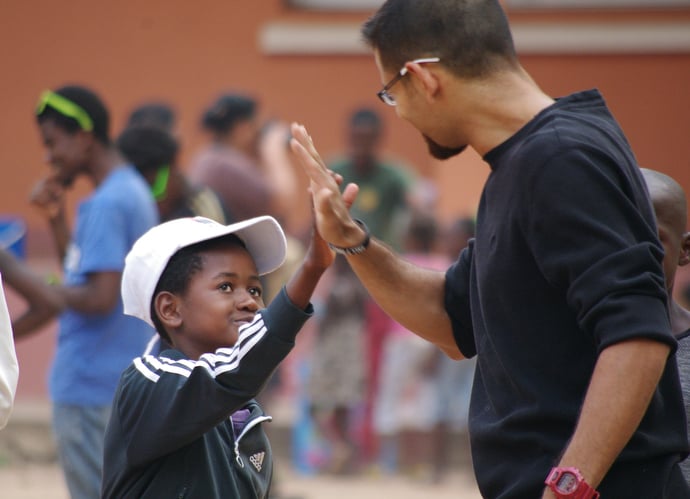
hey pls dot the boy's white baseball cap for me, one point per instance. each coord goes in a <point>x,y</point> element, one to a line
<point>150,254</point>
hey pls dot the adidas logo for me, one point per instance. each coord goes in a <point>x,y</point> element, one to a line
<point>257,460</point>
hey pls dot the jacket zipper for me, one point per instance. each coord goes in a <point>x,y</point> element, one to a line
<point>251,424</point>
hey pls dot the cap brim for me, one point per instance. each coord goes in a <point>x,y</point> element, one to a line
<point>265,241</point>
<point>263,237</point>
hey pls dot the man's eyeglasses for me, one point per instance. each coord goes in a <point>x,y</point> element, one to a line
<point>65,107</point>
<point>383,93</point>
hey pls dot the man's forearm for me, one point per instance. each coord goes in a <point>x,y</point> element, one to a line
<point>625,377</point>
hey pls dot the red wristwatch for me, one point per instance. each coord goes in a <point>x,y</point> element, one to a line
<point>567,483</point>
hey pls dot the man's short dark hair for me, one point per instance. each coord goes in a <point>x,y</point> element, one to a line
<point>90,103</point>
<point>148,148</point>
<point>179,271</point>
<point>471,37</point>
<point>227,111</point>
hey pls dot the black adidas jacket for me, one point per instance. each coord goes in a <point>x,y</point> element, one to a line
<point>190,429</point>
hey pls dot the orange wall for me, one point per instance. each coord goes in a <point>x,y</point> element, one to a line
<point>188,52</point>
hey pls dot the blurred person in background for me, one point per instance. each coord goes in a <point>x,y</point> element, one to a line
<point>96,341</point>
<point>154,151</point>
<point>452,378</point>
<point>404,408</point>
<point>336,380</point>
<point>383,204</point>
<point>157,114</point>
<point>384,185</point>
<point>671,209</point>
<point>247,162</point>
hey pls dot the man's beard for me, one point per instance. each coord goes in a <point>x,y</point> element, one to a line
<point>441,152</point>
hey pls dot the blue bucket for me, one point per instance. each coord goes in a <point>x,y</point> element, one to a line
<point>13,235</point>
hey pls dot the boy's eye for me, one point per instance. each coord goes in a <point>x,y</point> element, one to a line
<point>257,292</point>
<point>226,286</point>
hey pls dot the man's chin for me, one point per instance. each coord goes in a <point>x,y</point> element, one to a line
<point>441,152</point>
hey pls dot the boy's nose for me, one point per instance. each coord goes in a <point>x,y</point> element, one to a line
<point>246,300</point>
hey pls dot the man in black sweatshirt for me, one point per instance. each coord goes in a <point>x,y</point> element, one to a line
<point>561,295</point>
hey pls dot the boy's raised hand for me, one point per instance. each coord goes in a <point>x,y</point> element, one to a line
<point>319,254</point>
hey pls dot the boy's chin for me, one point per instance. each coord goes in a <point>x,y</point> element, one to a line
<point>232,338</point>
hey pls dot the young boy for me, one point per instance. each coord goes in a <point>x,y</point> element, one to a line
<point>670,207</point>
<point>184,423</point>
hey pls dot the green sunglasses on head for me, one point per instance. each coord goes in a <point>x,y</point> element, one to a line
<point>65,107</point>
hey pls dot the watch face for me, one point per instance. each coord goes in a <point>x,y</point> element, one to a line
<point>567,482</point>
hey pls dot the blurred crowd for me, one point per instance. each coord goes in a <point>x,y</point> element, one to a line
<point>369,395</point>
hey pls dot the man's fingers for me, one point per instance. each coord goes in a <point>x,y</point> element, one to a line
<point>300,133</point>
<point>313,166</point>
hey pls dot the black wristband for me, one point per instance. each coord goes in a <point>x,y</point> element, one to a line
<point>355,250</point>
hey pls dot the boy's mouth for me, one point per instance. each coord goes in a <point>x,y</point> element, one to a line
<point>240,321</point>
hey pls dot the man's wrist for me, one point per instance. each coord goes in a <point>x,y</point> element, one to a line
<point>568,483</point>
<point>357,249</point>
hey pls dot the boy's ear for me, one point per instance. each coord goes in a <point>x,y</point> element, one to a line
<point>166,305</point>
<point>684,256</point>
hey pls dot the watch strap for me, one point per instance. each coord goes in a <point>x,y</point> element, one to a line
<point>582,491</point>
<point>354,250</point>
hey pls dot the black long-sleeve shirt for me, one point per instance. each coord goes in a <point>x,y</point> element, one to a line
<point>566,262</point>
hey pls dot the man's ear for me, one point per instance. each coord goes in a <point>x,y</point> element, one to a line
<point>166,305</point>
<point>684,256</point>
<point>429,81</point>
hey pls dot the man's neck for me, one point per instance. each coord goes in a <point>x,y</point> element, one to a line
<point>500,107</point>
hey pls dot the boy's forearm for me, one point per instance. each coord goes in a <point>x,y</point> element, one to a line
<point>302,284</point>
